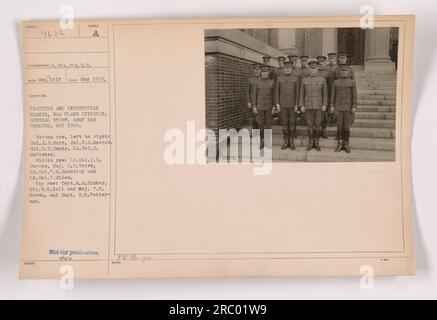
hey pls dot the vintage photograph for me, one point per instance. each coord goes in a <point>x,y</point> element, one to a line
<point>327,94</point>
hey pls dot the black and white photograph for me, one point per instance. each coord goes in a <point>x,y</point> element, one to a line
<point>327,94</point>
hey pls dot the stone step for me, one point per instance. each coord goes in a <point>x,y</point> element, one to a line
<point>330,143</point>
<point>375,108</point>
<point>362,96</point>
<point>385,87</point>
<point>374,123</point>
<point>375,115</point>
<point>375,86</point>
<point>363,76</point>
<point>332,131</point>
<point>328,155</point>
<point>388,102</point>
<point>377,119</point>
<point>376,91</point>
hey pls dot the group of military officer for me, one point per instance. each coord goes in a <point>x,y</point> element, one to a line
<point>304,87</point>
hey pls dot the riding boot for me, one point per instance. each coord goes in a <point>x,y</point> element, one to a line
<point>316,140</point>
<point>324,132</point>
<point>261,144</point>
<point>291,140</point>
<point>339,145</point>
<point>324,124</point>
<point>310,140</point>
<point>346,146</point>
<point>286,143</point>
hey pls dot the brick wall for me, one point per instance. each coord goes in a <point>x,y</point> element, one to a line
<point>226,85</point>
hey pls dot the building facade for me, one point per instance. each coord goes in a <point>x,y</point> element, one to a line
<point>371,50</point>
<point>230,53</point>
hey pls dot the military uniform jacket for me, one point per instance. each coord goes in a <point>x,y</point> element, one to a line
<point>313,92</point>
<point>335,73</point>
<point>264,94</point>
<point>278,72</point>
<point>304,72</point>
<point>327,74</point>
<point>295,71</point>
<point>287,91</point>
<point>331,67</point>
<point>251,90</point>
<point>344,94</point>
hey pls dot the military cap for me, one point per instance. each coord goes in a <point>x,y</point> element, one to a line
<point>288,63</point>
<point>323,57</point>
<point>256,65</point>
<point>282,58</point>
<point>265,67</point>
<point>342,54</point>
<point>332,54</point>
<point>303,57</point>
<point>266,59</point>
<point>293,55</point>
<point>310,61</point>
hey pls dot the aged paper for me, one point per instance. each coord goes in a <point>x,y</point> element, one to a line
<point>109,194</point>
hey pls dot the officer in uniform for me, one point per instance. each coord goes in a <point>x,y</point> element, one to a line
<point>305,70</point>
<point>264,102</point>
<point>322,60</point>
<point>287,101</point>
<point>251,92</point>
<point>266,61</point>
<point>294,58</point>
<point>280,70</point>
<point>313,101</point>
<point>335,74</point>
<point>331,64</point>
<point>342,62</point>
<point>323,72</point>
<point>343,101</point>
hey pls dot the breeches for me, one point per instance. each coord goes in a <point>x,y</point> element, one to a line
<point>288,118</point>
<point>313,118</point>
<point>264,119</point>
<point>344,119</point>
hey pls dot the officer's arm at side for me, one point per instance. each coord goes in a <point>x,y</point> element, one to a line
<point>277,91</point>
<point>325,93</point>
<point>297,92</point>
<point>301,94</point>
<point>332,98</point>
<point>354,95</point>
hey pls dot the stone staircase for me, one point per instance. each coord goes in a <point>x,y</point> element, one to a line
<point>373,132</point>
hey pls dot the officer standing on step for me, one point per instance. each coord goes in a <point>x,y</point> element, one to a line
<point>287,99</point>
<point>342,62</point>
<point>331,64</point>
<point>251,92</point>
<point>313,101</point>
<point>266,61</point>
<point>335,74</point>
<point>344,102</point>
<point>305,69</point>
<point>323,72</point>
<point>264,102</point>
<point>294,59</point>
<point>322,60</point>
<point>295,70</point>
<point>280,70</point>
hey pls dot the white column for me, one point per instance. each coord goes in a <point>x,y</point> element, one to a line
<point>378,50</point>
<point>329,40</point>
